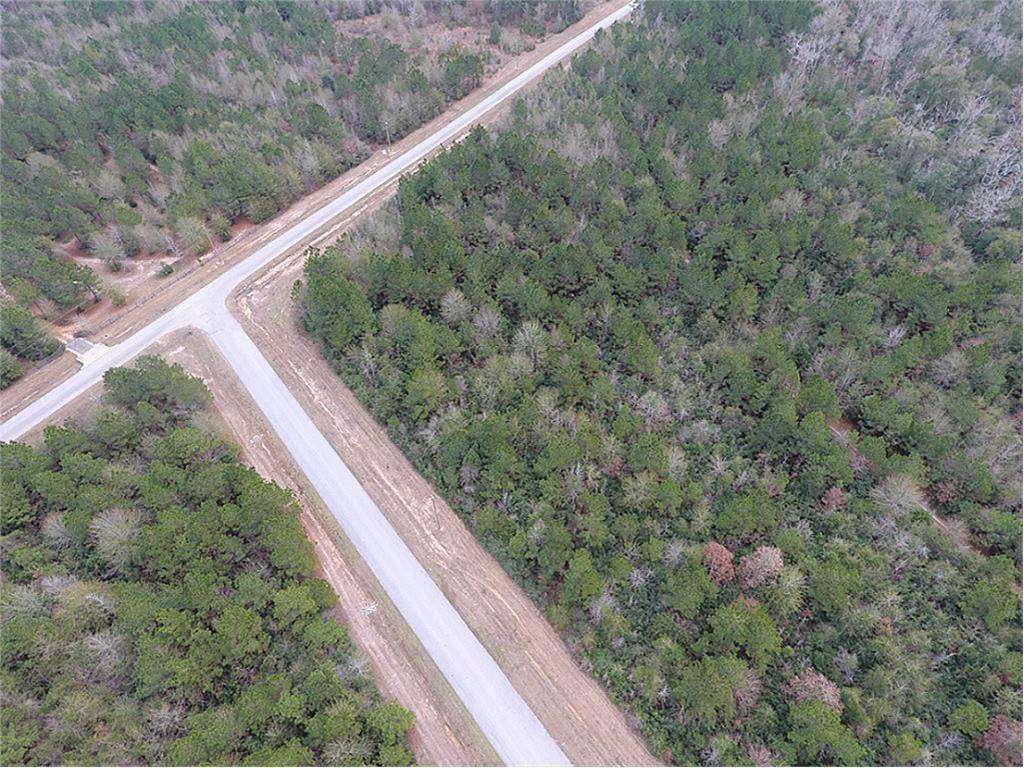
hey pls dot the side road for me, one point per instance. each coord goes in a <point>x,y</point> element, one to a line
<point>443,733</point>
<point>579,715</point>
<point>509,724</point>
<point>168,293</point>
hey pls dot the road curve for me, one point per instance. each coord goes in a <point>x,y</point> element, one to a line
<point>510,725</point>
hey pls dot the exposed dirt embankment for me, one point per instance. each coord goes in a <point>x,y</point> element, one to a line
<point>444,733</point>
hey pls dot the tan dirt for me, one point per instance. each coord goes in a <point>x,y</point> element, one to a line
<point>443,733</point>
<point>36,383</point>
<point>428,41</point>
<point>575,710</point>
<point>960,535</point>
<point>155,295</point>
<point>138,276</point>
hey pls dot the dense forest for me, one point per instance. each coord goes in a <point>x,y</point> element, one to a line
<point>150,127</point>
<point>716,345</point>
<point>158,604</point>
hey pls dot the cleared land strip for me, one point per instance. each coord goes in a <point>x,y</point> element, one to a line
<point>509,724</point>
<point>444,732</point>
<point>168,293</point>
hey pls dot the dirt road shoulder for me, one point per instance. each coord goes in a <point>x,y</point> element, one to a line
<point>444,733</point>
<point>167,293</point>
<point>574,709</point>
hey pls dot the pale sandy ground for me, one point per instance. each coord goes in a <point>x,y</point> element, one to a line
<point>444,733</point>
<point>574,709</point>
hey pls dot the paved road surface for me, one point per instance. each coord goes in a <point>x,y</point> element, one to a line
<point>510,725</point>
<point>512,728</point>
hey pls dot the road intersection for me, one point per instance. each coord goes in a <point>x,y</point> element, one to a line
<point>505,719</point>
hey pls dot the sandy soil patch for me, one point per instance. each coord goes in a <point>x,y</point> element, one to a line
<point>575,710</point>
<point>444,733</point>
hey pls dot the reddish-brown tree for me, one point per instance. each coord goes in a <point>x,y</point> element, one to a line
<point>718,561</point>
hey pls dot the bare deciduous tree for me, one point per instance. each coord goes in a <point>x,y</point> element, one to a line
<point>487,323</point>
<point>898,494</point>
<point>114,532</point>
<point>455,307</point>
